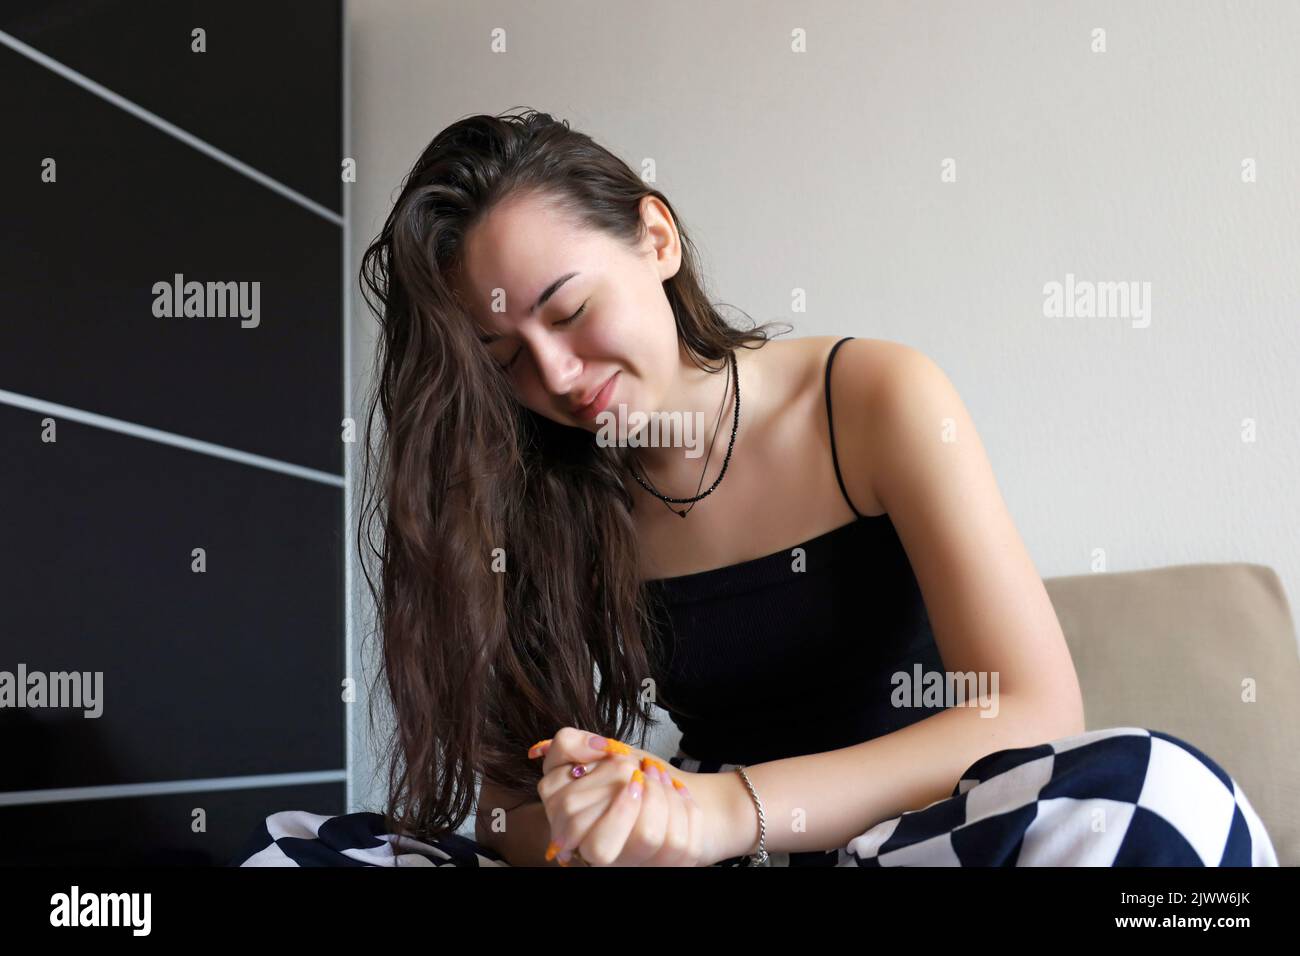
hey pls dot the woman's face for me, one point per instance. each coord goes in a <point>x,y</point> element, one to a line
<point>568,309</point>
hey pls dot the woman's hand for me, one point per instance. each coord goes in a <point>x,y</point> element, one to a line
<point>602,814</point>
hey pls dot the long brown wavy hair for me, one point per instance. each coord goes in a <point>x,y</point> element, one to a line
<point>479,664</point>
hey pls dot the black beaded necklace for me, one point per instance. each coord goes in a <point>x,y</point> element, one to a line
<point>733,371</point>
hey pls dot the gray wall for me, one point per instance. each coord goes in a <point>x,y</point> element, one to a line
<point>822,171</point>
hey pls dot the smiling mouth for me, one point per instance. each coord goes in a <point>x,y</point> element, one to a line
<point>585,410</point>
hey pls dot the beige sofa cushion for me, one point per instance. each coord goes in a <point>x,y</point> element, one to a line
<point>1179,649</point>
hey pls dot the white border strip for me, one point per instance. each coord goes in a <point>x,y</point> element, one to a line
<point>170,129</point>
<point>168,438</point>
<point>18,798</point>
<point>346,137</point>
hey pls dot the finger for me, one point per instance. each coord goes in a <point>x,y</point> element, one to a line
<point>684,841</point>
<point>580,813</point>
<point>559,776</point>
<point>571,745</point>
<point>675,844</point>
<point>656,840</point>
<point>563,795</point>
<point>681,836</point>
<point>558,773</point>
<point>605,840</point>
<point>647,834</point>
<point>574,806</point>
<point>565,747</point>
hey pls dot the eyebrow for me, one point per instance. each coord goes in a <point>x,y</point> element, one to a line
<point>541,301</point>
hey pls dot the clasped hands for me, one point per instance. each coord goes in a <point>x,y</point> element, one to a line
<point>626,807</point>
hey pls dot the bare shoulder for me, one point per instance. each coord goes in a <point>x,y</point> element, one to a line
<point>904,409</point>
<point>860,362</point>
<point>868,378</point>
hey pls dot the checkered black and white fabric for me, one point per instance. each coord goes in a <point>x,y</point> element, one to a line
<point>1123,796</point>
<point>300,838</point>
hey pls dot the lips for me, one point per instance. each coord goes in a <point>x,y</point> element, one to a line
<point>590,407</point>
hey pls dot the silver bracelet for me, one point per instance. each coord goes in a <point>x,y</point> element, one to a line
<point>760,858</point>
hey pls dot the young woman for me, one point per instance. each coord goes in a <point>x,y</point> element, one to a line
<point>797,580</point>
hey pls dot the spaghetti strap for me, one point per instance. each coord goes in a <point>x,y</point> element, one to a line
<point>830,421</point>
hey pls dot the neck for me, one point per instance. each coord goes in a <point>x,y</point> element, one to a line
<point>699,396</point>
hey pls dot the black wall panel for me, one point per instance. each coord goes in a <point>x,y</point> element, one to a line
<point>235,671</point>
<point>133,206</point>
<point>152,831</point>
<point>266,90</point>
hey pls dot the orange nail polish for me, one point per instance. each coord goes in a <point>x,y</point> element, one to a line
<point>551,850</point>
<point>617,747</point>
<point>534,752</point>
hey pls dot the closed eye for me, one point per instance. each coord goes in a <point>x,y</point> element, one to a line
<point>560,324</point>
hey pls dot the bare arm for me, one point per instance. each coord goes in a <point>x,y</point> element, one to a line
<point>822,801</point>
<point>523,831</point>
<point>989,609</point>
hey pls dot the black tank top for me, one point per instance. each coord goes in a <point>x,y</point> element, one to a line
<point>759,661</point>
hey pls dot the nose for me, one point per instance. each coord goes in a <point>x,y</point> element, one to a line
<point>557,366</point>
